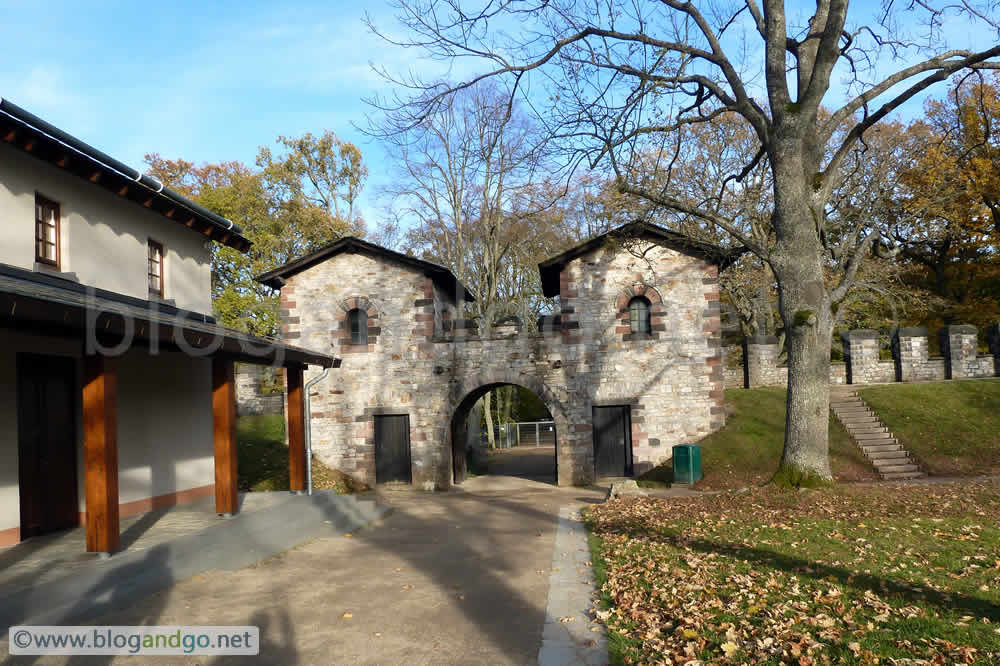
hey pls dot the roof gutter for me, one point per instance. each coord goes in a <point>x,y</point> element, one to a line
<point>28,118</point>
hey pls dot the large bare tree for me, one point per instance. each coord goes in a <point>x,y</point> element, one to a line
<point>613,80</point>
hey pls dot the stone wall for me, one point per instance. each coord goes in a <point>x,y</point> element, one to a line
<point>863,364</point>
<point>430,365</point>
<point>250,398</point>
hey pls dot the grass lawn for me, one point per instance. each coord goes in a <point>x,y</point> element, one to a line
<point>900,574</point>
<point>953,428</point>
<point>263,458</point>
<point>747,450</point>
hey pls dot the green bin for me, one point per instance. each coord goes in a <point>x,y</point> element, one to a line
<point>687,464</point>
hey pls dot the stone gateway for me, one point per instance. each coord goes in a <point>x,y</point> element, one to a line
<point>638,328</point>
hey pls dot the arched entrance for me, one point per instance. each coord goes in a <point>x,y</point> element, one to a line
<point>465,398</point>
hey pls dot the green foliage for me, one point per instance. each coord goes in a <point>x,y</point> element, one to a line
<point>298,201</point>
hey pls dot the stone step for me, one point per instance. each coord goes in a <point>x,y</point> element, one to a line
<point>891,445</point>
<point>859,421</point>
<point>889,469</point>
<point>866,429</point>
<point>882,456</point>
<point>846,400</point>
<point>902,476</point>
<point>852,410</point>
<point>865,437</point>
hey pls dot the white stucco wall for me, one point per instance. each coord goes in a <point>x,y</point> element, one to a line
<point>164,423</point>
<point>104,237</point>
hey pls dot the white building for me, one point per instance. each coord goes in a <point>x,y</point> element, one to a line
<point>116,384</point>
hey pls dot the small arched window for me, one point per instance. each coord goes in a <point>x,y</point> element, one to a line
<point>358,320</point>
<point>638,315</point>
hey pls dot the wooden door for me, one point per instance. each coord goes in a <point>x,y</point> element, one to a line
<point>612,441</point>
<point>46,427</point>
<point>392,448</point>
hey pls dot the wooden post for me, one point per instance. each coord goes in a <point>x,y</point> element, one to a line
<point>224,418</point>
<point>100,454</point>
<point>296,430</point>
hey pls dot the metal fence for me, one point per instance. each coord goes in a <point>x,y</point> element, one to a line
<point>525,433</point>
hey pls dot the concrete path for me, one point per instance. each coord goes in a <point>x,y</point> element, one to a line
<point>447,578</point>
<point>37,591</point>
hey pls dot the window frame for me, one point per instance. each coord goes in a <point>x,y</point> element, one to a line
<point>647,328</point>
<point>44,203</point>
<point>152,244</point>
<point>360,337</point>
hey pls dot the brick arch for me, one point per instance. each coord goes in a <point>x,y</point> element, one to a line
<point>467,391</point>
<point>657,311</point>
<point>342,332</point>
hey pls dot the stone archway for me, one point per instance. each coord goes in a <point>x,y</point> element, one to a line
<point>464,395</point>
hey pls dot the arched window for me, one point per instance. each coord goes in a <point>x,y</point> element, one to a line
<point>638,315</point>
<point>358,319</point>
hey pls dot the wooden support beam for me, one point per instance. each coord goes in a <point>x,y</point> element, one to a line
<point>296,429</point>
<point>62,161</point>
<point>9,136</point>
<point>94,177</point>
<point>170,213</point>
<point>122,192</point>
<point>100,454</point>
<point>30,146</point>
<point>224,417</point>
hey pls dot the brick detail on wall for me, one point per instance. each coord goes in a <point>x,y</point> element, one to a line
<point>657,312</point>
<point>341,333</point>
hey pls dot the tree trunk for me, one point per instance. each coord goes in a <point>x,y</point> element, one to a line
<point>490,436</point>
<point>804,304</point>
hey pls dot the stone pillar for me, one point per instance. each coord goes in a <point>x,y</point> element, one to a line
<point>993,336</point>
<point>910,352</point>
<point>959,346</point>
<point>861,355</point>
<point>760,360</point>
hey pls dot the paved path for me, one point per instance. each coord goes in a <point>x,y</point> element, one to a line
<point>447,578</point>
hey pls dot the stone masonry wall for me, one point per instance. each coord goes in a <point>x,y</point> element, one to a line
<point>250,399</point>
<point>864,366</point>
<point>427,368</point>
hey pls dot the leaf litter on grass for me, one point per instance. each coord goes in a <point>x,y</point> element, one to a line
<point>864,575</point>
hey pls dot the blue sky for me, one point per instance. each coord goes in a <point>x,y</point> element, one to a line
<point>208,81</point>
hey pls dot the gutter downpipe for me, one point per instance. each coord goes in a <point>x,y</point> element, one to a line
<point>308,428</point>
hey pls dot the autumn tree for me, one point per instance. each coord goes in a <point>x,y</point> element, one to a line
<point>612,81</point>
<point>946,212</point>
<point>296,202</point>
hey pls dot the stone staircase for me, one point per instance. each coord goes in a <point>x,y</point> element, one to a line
<point>891,460</point>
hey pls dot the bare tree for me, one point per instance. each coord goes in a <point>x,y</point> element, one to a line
<point>613,80</point>
<point>468,184</point>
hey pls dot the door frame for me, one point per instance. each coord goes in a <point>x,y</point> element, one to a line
<point>627,418</point>
<point>26,492</point>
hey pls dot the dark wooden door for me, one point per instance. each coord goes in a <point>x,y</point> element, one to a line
<point>612,441</point>
<point>46,437</point>
<point>392,448</point>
